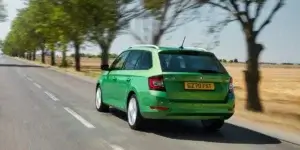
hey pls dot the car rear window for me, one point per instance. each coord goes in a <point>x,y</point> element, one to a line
<point>190,61</point>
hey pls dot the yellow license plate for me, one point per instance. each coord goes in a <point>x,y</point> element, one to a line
<point>198,86</point>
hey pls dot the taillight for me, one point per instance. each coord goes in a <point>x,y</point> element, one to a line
<point>156,83</point>
<point>231,86</point>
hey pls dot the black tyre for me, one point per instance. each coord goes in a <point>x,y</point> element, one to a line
<point>212,125</point>
<point>134,117</point>
<point>100,106</point>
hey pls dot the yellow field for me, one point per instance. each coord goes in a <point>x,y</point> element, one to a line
<point>280,92</point>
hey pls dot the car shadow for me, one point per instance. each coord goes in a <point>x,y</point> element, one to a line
<point>193,131</point>
<point>18,65</point>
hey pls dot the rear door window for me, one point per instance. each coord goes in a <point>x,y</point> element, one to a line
<point>132,59</point>
<point>190,61</point>
<point>145,62</point>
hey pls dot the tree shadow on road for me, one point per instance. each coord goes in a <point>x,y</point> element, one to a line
<point>21,66</point>
<point>193,131</point>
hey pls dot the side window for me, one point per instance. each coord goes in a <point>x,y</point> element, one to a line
<point>145,62</point>
<point>132,59</point>
<point>119,61</point>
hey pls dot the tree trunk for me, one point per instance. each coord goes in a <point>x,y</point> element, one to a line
<point>52,58</point>
<point>252,77</point>
<point>156,38</point>
<point>104,55</point>
<point>22,55</point>
<point>64,62</point>
<point>34,55</point>
<point>43,55</point>
<point>77,55</point>
<point>29,55</point>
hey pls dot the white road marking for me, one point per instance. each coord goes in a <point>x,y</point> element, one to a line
<point>79,118</point>
<point>37,85</point>
<point>113,146</point>
<point>51,96</point>
<point>116,147</point>
<point>29,79</point>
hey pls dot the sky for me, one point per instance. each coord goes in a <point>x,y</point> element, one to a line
<point>281,37</point>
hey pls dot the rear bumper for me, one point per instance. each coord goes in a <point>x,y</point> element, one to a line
<point>186,111</point>
<point>186,116</point>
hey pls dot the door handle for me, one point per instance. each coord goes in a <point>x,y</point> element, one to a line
<point>114,79</point>
<point>128,79</point>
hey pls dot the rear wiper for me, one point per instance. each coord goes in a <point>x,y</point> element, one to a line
<point>208,71</point>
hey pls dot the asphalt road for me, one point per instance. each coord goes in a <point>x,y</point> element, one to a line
<point>41,109</point>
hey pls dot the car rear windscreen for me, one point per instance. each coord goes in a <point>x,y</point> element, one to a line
<point>190,61</point>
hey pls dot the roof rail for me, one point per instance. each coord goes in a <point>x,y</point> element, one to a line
<point>197,48</point>
<point>145,45</point>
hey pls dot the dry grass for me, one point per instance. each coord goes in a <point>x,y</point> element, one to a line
<point>280,92</point>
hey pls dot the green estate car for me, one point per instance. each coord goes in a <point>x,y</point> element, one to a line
<point>151,82</point>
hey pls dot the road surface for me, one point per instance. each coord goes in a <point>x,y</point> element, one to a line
<point>41,109</point>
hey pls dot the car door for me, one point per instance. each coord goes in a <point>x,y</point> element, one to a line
<point>111,88</point>
<point>125,76</point>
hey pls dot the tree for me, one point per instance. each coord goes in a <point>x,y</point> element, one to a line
<point>2,12</point>
<point>60,22</point>
<point>18,39</point>
<point>45,24</point>
<point>65,24</point>
<point>33,28</point>
<point>115,18</point>
<point>247,13</point>
<point>39,19</point>
<point>163,16</point>
<point>77,11</point>
<point>235,60</point>
<point>1,44</point>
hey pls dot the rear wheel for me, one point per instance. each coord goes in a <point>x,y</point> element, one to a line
<point>134,117</point>
<point>212,125</point>
<point>100,106</point>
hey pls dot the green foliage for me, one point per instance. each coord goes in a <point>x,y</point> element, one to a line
<point>223,60</point>
<point>2,11</point>
<point>154,6</point>
<point>288,64</point>
<point>55,24</point>
<point>235,60</point>
<point>104,28</point>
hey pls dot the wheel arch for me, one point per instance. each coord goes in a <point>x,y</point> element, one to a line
<point>130,93</point>
<point>97,85</point>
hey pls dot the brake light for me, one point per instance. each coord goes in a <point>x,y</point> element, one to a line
<point>156,83</point>
<point>231,87</point>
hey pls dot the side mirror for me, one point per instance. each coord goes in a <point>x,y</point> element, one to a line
<point>105,67</point>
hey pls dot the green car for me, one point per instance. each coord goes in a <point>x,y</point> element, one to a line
<point>151,82</point>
